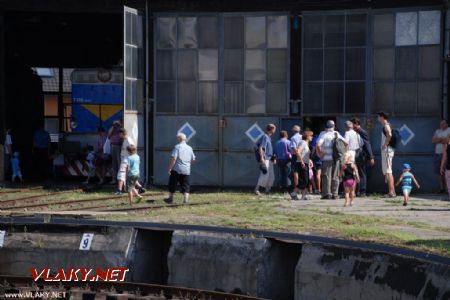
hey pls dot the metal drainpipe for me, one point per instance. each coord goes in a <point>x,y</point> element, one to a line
<point>446,40</point>
<point>146,111</point>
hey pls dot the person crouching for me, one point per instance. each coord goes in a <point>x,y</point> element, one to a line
<point>180,169</point>
<point>133,174</point>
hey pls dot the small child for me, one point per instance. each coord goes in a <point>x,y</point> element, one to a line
<point>133,173</point>
<point>90,159</point>
<point>15,164</point>
<point>349,177</point>
<point>406,180</point>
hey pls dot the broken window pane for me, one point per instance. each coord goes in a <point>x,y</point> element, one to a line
<point>276,98</point>
<point>255,97</point>
<point>255,65</point>
<point>383,30</point>
<point>277,65</point>
<point>208,97</point>
<point>207,65</point>
<point>234,98</point>
<point>234,65</point>
<point>429,27</point>
<point>187,32</point>
<point>312,31</point>
<point>187,96</point>
<point>277,31</point>
<point>406,29</point>
<point>255,32</point>
<point>234,32</point>
<point>166,32</point>
<point>208,33</point>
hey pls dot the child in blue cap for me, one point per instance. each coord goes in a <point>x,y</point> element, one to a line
<point>406,179</point>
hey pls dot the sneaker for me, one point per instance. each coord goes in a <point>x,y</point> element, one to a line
<point>185,200</point>
<point>390,196</point>
<point>257,193</point>
<point>334,197</point>
<point>294,196</point>
<point>168,200</point>
<point>405,203</point>
<point>142,190</point>
<point>305,198</point>
<point>327,197</point>
<point>118,193</point>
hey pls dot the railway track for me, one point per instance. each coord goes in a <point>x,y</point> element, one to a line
<point>36,197</point>
<point>124,290</point>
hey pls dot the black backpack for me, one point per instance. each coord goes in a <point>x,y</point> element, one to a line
<point>339,148</point>
<point>393,143</point>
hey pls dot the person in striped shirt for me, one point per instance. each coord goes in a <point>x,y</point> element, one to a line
<point>406,180</point>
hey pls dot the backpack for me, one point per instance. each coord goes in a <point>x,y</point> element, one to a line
<point>339,148</point>
<point>395,137</point>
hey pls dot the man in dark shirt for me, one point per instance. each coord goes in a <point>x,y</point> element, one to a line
<point>364,157</point>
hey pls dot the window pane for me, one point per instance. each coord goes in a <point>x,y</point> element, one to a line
<point>333,97</point>
<point>356,30</point>
<point>208,33</point>
<point>234,32</point>
<point>234,98</point>
<point>406,63</point>
<point>255,65</point>
<point>187,32</point>
<point>429,97</point>
<point>277,65</point>
<point>207,65</point>
<point>166,32</point>
<point>276,98</point>
<point>429,27</point>
<point>312,98</point>
<point>383,64</point>
<point>383,97</point>
<point>165,65</point>
<point>130,94</point>
<point>165,96</point>
<point>354,97</point>
<point>312,30</point>
<point>334,64</point>
<point>334,31</point>
<point>312,64</point>
<point>356,64</point>
<point>405,98</point>
<point>406,29</point>
<point>255,97</point>
<point>383,33</point>
<point>429,62</point>
<point>255,32</point>
<point>277,31</point>
<point>187,96</point>
<point>51,105</point>
<point>233,64</point>
<point>187,64</point>
<point>208,97</point>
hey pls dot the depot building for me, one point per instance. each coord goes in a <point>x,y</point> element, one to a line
<point>219,71</point>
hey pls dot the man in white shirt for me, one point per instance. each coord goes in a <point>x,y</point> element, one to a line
<point>330,166</point>
<point>440,138</point>
<point>352,139</point>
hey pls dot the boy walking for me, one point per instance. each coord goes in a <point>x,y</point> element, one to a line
<point>180,169</point>
<point>407,179</point>
<point>133,173</point>
<point>15,164</point>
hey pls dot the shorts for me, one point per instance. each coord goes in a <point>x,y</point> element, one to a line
<point>406,190</point>
<point>349,183</point>
<point>386,160</point>
<point>131,182</point>
<point>182,179</point>
<point>303,175</point>
<point>437,163</point>
<point>122,173</point>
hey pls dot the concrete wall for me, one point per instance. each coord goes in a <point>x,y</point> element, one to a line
<point>331,272</point>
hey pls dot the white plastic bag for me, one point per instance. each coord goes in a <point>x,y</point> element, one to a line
<point>107,147</point>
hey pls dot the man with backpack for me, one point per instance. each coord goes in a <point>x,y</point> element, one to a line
<point>331,147</point>
<point>389,138</point>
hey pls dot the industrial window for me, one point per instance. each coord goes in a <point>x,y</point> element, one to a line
<point>133,71</point>
<point>334,63</point>
<point>254,59</point>
<point>406,62</point>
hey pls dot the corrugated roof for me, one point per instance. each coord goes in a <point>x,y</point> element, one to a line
<point>51,83</point>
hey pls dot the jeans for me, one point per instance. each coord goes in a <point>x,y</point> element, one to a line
<point>362,185</point>
<point>284,166</point>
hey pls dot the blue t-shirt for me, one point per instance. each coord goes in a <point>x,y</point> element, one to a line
<point>282,149</point>
<point>183,155</point>
<point>266,144</point>
<point>407,180</point>
<point>133,165</point>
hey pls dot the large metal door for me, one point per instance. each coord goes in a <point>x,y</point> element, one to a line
<point>133,79</point>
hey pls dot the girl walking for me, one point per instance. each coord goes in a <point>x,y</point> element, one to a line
<point>349,177</point>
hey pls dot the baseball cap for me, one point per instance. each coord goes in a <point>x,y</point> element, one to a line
<point>406,166</point>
